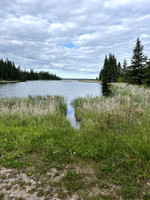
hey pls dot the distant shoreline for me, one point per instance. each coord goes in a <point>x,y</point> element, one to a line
<point>4,82</point>
<point>90,81</point>
<point>80,80</point>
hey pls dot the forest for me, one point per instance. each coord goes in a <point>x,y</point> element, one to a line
<point>137,73</point>
<point>9,72</point>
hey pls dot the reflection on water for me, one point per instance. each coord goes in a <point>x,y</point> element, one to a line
<point>71,116</point>
<point>69,89</point>
<point>106,90</point>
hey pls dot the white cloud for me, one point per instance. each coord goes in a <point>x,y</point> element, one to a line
<point>31,33</point>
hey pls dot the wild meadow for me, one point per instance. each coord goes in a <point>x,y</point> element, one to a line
<point>118,128</point>
<point>108,158</point>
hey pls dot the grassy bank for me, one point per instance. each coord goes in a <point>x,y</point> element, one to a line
<point>108,158</point>
<point>30,126</point>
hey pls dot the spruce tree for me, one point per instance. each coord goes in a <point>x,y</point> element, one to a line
<point>109,72</point>
<point>104,72</point>
<point>119,69</point>
<point>137,63</point>
<point>114,69</point>
<point>125,71</point>
<point>124,65</point>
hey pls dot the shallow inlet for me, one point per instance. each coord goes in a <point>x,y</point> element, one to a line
<point>71,111</point>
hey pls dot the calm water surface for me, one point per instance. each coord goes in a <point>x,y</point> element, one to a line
<point>69,89</point>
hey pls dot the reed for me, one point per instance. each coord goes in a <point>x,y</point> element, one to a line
<point>32,105</point>
<point>126,97</point>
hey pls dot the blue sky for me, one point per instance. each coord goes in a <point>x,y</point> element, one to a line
<point>69,45</point>
<point>71,38</point>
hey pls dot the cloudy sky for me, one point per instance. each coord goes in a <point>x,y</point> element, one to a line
<point>72,37</point>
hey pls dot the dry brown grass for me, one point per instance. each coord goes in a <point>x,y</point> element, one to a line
<point>29,106</point>
<point>126,95</point>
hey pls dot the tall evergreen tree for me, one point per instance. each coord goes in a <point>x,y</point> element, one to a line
<point>109,72</point>
<point>125,75</point>
<point>114,68</point>
<point>119,68</point>
<point>105,71</point>
<point>124,65</point>
<point>137,63</point>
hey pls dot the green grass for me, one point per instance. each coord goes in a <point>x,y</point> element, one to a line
<point>114,141</point>
<point>24,134</point>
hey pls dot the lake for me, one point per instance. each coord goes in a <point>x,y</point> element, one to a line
<point>69,89</point>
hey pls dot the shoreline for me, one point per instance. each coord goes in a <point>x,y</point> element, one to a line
<point>90,81</point>
<point>4,82</point>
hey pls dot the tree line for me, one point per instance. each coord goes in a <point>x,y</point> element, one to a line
<point>9,72</point>
<point>137,73</point>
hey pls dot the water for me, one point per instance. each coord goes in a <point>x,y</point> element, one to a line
<point>69,89</point>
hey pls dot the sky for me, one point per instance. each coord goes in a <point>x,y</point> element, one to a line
<point>70,38</point>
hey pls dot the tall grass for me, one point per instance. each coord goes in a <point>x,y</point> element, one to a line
<point>32,105</point>
<point>125,95</point>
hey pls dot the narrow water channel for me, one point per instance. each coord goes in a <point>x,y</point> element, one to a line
<point>71,116</point>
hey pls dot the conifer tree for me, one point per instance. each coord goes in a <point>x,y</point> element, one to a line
<point>109,72</point>
<point>119,69</point>
<point>8,71</point>
<point>124,65</point>
<point>125,75</point>
<point>137,63</point>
